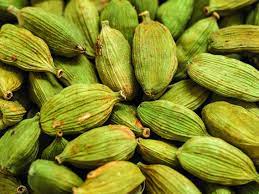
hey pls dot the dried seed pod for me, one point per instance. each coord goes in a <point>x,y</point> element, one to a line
<point>76,70</point>
<point>55,148</point>
<point>123,114</point>
<point>85,15</point>
<point>175,15</point>
<point>146,5</point>
<point>154,56</point>
<point>232,20</point>
<point>217,189</point>
<point>43,86</point>
<point>158,152</point>
<point>19,146</point>
<point>121,16</point>
<point>214,160</point>
<point>11,113</point>
<point>171,121</point>
<point>4,4</point>
<point>78,108</point>
<point>99,146</point>
<point>11,80</point>
<point>52,6</point>
<point>251,188</point>
<point>253,16</point>
<point>113,177</point>
<point>48,177</point>
<point>225,76</point>
<point>186,93</point>
<point>113,61</point>
<point>100,4</point>
<point>198,13</point>
<point>62,37</point>
<point>194,41</point>
<point>20,48</point>
<point>165,180</point>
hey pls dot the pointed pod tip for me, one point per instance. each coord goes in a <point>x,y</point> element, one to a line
<point>59,133</point>
<point>216,15</point>
<point>13,10</point>
<point>105,23</point>
<point>206,10</point>
<point>58,159</point>
<point>8,95</point>
<point>22,190</point>
<point>146,132</point>
<point>122,95</point>
<point>59,73</point>
<point>145,16</point>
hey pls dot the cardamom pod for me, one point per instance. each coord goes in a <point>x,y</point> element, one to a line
<point>232,20</point>
<point>198,13</point>
<point>233,78</point>
<point>113,177</point>
<point>175,15</point>
<point>214,160</point>
<point>11,80</point>
<point>123,114</point>
<point>43,86</point>
<point>121,16</point>
<point>158,152</point>
<point>253,16</point>
<point>154,56</point>
<point>78,108</point>
<point>19,146</point>
<point>52,6</point>
<point>217,189</point>
<point>186,93</point>
<point>100,4</point>
<point>4,4</point>
<point>62,37</point>
<point>113,61</point>
<point>146,5</point>
<point>99,146</point>
<point>48,177</point>
<point>251,188</point>
<point>11,113</point>
<point>20,48</point>
<point>76,70</point>
<point>165,180</point>
<point>171,121</point>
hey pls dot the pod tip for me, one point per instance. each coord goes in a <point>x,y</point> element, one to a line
<point>8,95</point>
<point>146,132</point>
<point>22,190</point>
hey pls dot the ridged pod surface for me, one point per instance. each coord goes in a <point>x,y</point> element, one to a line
<point>62,37</point>
<point>253,16</point>
<point>123,114</point>
<point>165,180</point>
<point>19,146</point>
<point>214,160</point>
<point>76,70</point>
<point>235,125</point>
<point>121,16</point>
<point>100,4</point>
<point>225,76</point>
<point>48,177</point>
<point>113,177</point>
<point>158,152</point>
<point>186,93</point>
<point>146,5</point>
<point>43,86</point>
<point>192,42</point>
<point>217,189</point>
<point>20,48</point>
<point>251,188</point>
<point>99,146</point>
<point>171,121</point>
<point>52,6</point>
<point>85,15</point>
<point>11,113</point>
<point>11,80</point>
<point>232,20</point>
<point>113,61</point>
<point>154,56</point>
<point>198,13</point>
<point>175,15</point>
<point>78,108</point>
<point>235,39</point>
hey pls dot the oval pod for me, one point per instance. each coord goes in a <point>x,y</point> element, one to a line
<point>217,189</point>
<point>51,6</point>
<point>146,5</point>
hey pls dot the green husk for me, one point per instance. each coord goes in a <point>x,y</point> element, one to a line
<point>217,189</point>
<point>4,4</point>
<point>100,4</point>
<point>52,6</point>
<point>253,16</point>
<point>198,12</point>
<point>146,5</point>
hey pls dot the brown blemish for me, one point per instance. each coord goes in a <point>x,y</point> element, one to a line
<point>57,124</point>
<point>98,47</point>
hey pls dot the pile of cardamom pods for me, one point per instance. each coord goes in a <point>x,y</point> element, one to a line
<point>129,97</point>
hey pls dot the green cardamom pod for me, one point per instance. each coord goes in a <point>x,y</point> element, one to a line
<point>11,80</point>
<point>20,48</point>
<point>84,14</point>
<point>251,188</point>
<point>222,40</point>
<point>198,13</point>
<point>171,121</point>
<point>121,16</point>
<point>113,177</point>
<point>48,177</point>
<point>214,160</point>
<point>186,93</point>
<point>43,86</point>
<point>4,4</point>
<point>52,6</point>
<point>99,146</point>
<point>175,14</point>
<point>158,152</point>
<point>146,5</point>
<point>55,148</point>
<point>217,189</point>
<point>225,76</point>
<point>194,41</point>
<point>232,20</point>
<point>100,4</point>
<point>253,16</point>
<point>154,56</point>
<point>113,61</point>
<point>165,180</point>
<point>123,114</point>
<point>78,108</point>
<point>11,113</point>
<point>19,146</point>
<point>62,37</point>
